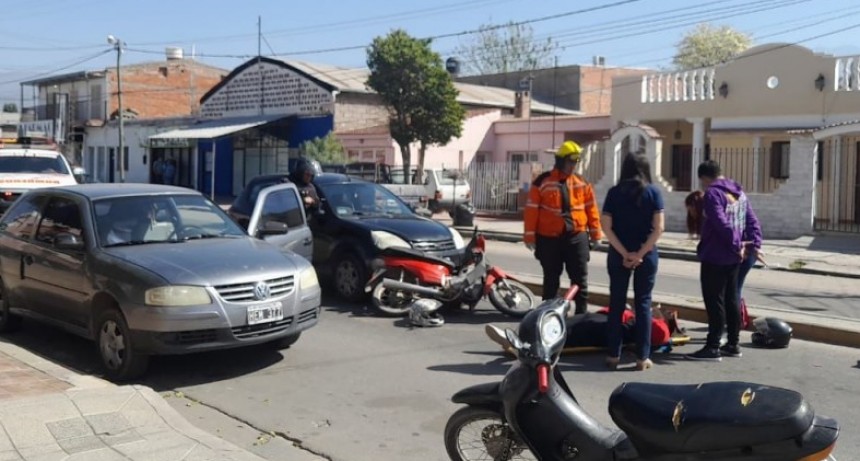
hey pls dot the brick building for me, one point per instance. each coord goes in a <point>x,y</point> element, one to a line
<point>257,117</point>
<point>586,89</point>
<point>65,106</point>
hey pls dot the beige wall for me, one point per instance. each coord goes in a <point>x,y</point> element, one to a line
<point>795,100</point>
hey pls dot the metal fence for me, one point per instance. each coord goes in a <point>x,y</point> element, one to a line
<point>495,186</point>
<point>837,185</point>
<point>757,170</point>
<point>501,187</point>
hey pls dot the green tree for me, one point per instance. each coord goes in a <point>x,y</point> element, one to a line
<point>707,45</point>
<point>10,107</point>
<point>508,48</point>
<point>439,122</point>
<point>327,149</point>
<point>422,100</point>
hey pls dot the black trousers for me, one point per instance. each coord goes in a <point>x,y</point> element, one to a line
<point>571,252</point>
<point>720,293</point>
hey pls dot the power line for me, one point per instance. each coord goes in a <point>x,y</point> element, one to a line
<point>432,37</point>
<point>86,59</point>
<point>656,26</point>
<point>341,24</point>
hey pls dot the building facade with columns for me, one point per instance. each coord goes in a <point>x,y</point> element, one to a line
<point>782,120</point>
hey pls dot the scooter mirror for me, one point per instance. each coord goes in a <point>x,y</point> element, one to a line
<point>513,339</point>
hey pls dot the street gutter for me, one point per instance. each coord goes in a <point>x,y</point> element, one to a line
<point>809,327</point>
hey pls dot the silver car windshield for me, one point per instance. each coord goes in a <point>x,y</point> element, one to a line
<point>149,219</point>
<point>363,199</point>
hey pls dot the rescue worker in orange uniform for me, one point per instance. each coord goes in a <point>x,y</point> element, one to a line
<point>562,221</point>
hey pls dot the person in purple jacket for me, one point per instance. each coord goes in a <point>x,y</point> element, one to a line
<point>728,218</point>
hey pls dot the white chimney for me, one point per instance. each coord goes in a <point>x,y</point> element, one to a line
<point>598,60</point>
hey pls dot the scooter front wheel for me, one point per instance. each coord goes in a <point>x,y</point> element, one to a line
<point>475,433</point>
<point>512,298</point>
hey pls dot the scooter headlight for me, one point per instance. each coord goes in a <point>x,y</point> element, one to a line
<point>551,329</point>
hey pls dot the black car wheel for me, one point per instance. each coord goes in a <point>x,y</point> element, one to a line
<point>350,276</point>
<point>120,357</point>
<point>8,321</point>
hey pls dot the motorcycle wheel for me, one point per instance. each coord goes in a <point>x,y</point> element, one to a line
<point>474,433</point>
<point>515,299</point>
<point>392,303</point>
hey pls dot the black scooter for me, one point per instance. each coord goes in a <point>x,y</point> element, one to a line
<point>532,414</point>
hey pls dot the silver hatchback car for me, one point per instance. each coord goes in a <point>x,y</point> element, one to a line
<point>145,269</point>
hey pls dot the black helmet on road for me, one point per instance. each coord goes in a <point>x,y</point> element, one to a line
<point>771,332</point>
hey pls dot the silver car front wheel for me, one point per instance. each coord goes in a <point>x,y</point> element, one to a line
<point>116,348</point>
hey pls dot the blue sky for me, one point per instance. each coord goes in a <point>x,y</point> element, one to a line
<point>58,36</point>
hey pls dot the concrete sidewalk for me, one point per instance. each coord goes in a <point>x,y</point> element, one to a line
<point>48,412</point>
<point>830,255</point>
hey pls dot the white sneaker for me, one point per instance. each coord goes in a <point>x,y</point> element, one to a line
<point>497,335</point>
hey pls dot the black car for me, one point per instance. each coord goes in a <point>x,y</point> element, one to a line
<point>243,206</point>
<point>359,219</point>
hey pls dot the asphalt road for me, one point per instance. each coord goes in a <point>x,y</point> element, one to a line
<point>833,296</point>
<point>365,388</point>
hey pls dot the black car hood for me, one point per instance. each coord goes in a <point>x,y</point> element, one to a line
<point>208,262</point>
<point>412,229</point>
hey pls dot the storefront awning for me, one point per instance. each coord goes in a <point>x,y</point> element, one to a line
<point>217,128</point>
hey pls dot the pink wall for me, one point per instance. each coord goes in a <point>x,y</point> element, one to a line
<point>487,133</point>
<point>512,135</point>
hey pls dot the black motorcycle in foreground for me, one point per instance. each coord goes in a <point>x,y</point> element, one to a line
<point>532,414</point>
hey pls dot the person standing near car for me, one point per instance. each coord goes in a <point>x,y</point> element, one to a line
<point>727,215</point>
<point>561,219</point>
<point>633,221</point>
<point>302,176</point>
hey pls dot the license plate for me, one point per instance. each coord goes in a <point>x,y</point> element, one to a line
<point>262,313</point>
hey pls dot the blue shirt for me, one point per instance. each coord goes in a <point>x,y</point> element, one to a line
<point>632,219</point>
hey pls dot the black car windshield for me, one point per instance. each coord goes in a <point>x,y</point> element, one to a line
<point>363,199</point>
<point>147,219</point>
<point>32,164</point>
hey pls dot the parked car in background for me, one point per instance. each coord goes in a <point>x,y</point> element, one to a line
<point>439,186</point>
<point>31,163</point>
<point>447,189</point>
<point>148,269</point>
<point>359,219</point>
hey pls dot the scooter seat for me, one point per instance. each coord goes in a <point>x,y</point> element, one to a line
<point>693,418</point>
<point>417,254</point>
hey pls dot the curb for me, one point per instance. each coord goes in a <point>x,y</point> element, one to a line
<point>807,327</point>
<point>670,253</point>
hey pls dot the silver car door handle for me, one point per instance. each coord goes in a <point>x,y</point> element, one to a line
<point>307,241</point>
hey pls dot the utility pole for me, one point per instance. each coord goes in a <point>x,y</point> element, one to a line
<point>554,86</point>
<point>259,60</point>
<point>118,44</point>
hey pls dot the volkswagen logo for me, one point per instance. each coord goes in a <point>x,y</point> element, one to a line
<point>262,291</point>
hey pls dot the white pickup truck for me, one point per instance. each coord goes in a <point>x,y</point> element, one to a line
<point>26,165</point>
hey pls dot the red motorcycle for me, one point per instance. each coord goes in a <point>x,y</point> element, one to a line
<point>404,275</point>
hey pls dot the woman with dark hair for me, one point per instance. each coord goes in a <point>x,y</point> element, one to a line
<point>693,202</point>
<point>633,222</point>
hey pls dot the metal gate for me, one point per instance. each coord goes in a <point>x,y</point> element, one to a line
<point>837,185</point>
<point>501,187</point>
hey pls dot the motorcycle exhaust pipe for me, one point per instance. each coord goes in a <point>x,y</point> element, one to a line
<point>410,287</point>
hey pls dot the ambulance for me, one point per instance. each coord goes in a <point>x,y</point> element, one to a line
<point>30,163</point>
